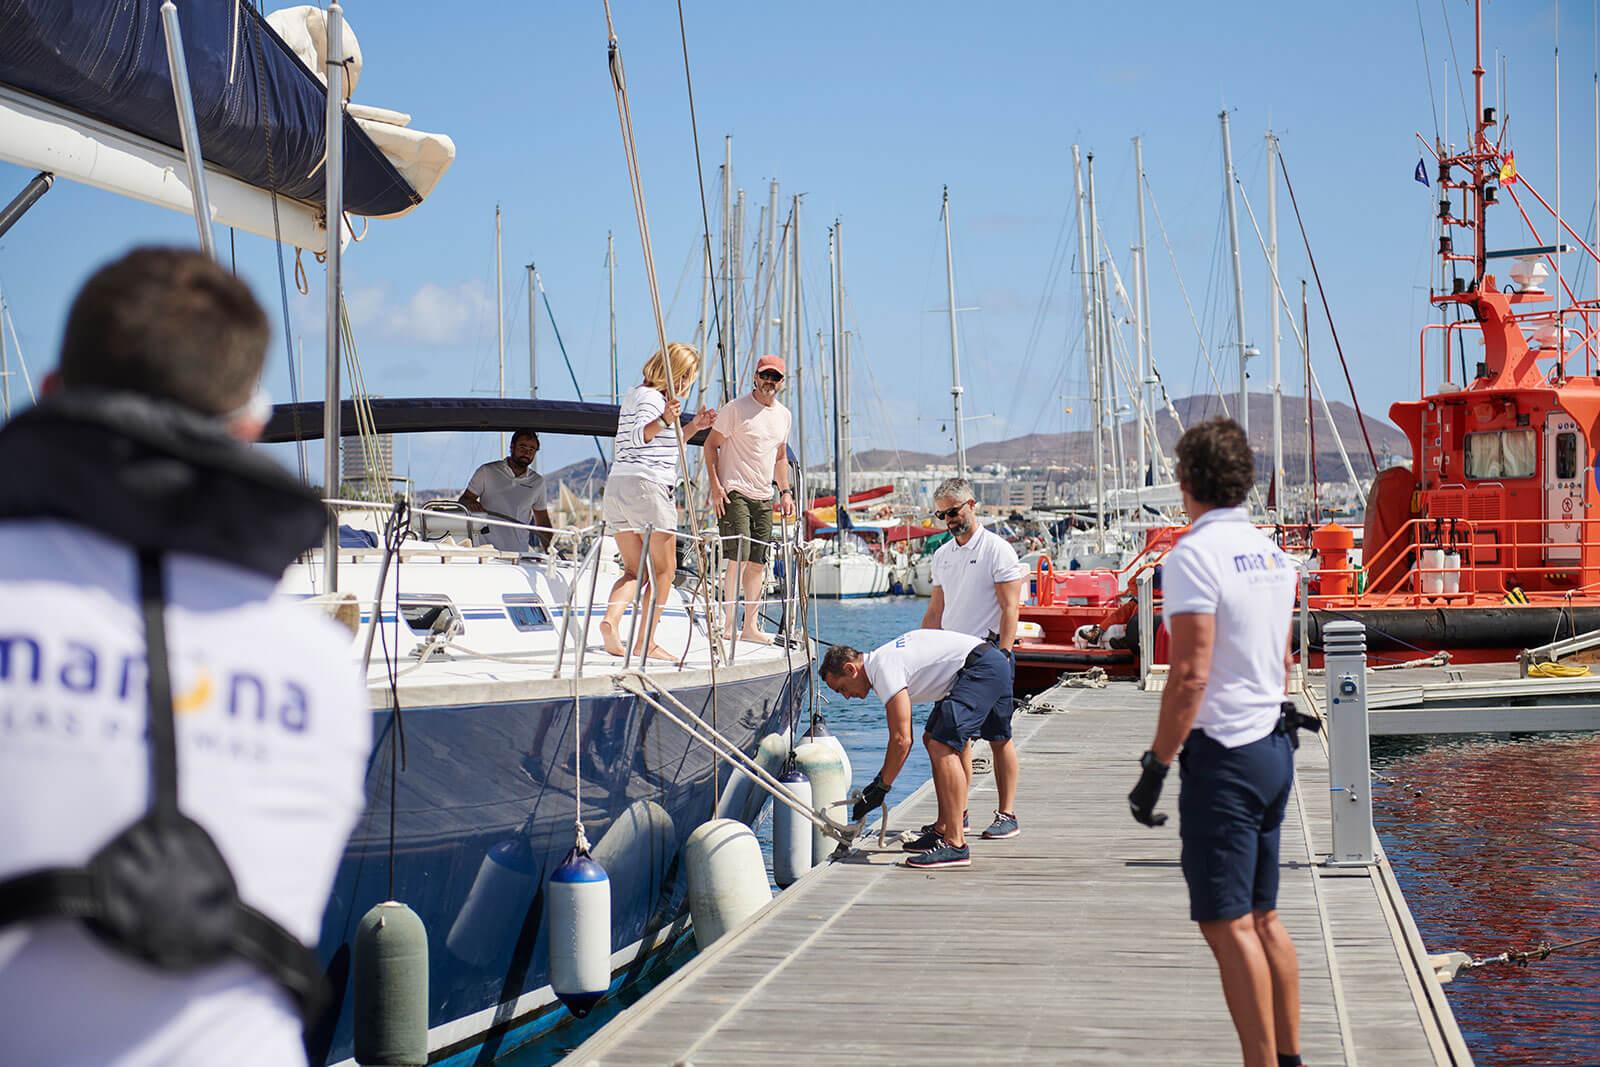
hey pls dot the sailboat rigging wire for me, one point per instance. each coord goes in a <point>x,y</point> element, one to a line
<point>700,178</point>
<point>1456,62</point>
<point>572,374</point>
<point>393,535</point>
<point>619,85</point>
<point>1427,70</point>
<point>1194,319</point>
<point>1316,275</point>
<point>277,244</point>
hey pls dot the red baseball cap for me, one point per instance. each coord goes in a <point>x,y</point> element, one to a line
<point>771,363</point>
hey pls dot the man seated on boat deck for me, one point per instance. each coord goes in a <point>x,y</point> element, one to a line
<point>130,496</point>
<point>511,490</point>
<point>977,590</point>
<point>1228,595</point>
<point>968,681</point>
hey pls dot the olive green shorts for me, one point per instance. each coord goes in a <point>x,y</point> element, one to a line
<point>746,527</point>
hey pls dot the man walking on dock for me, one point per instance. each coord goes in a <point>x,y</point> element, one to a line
<point>977,590</point>
<point>1228,600</point>
<point>969,682</point>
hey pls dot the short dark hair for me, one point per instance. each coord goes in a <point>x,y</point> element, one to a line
<point>1215,463</point>
<point>170,323</point>
<point>520,434</point>
<point>835,659</point>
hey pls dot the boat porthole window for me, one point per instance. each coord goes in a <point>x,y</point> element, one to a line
<point>527,611</point>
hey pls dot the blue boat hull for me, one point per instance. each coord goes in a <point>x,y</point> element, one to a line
<point>484,809</point>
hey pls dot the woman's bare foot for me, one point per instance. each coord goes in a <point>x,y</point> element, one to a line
<point>659,653</point>
<point>608,637</point>
<point>757,638</point>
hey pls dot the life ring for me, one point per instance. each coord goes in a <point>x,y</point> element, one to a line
<point>1044,586</point>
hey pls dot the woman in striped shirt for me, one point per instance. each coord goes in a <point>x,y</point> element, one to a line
<point>639,491</point>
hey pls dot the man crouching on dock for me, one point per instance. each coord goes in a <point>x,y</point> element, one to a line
<point>969,682</point>
<point>1229,596</point>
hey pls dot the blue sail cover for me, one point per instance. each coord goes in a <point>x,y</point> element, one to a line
<point>107,60</point>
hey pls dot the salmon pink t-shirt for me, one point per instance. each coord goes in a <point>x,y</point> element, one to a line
<point>754,433</point>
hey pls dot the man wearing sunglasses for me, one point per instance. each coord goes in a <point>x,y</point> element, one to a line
<point>745,457</point>
<point>977,590</point>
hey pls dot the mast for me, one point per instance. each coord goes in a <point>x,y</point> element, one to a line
<point>1146,370</point>
<point>725,315</point>
<point>533,333</point>
<point>1274,333</point>
<point>1311,426</point>
<point>796,340</point>
<point>839,476</point>
<point>736,294</point>
<point>611,293</point>
<point>772,266</point>
<point>841,382</point>
<point>1084,269</point>
<point>1096,368</point>
<point>1238,276</point>
<point>333,185</point>
<point>955,354</point>
<point>1141,290</point>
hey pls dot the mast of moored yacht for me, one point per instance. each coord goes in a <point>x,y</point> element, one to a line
<point>1096,367</point>
<point>611,293</point>
<point>840,477</point>
<point>333,185</point>
<point>1141,304</point>
<point>1085,285</point>
<point>955,354</point>
<point>797,345</point>
<point>1243,414</point>
<point>725,312</point>
<point>1274,333</point>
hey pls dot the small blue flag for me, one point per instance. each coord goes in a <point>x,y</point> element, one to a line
<point>1421,173</point>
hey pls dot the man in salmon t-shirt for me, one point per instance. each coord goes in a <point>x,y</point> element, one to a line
<point>745,455</point>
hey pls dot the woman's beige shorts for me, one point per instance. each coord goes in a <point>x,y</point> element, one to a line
<point>632,503</point>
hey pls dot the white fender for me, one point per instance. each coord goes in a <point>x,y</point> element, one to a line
<point>578,907</point>
<point>822,759</point>
<point>727,877</point>
<point>791,833</point>
<point>741,792</point>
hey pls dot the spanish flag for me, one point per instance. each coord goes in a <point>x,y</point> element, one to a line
<point>1508,169</point>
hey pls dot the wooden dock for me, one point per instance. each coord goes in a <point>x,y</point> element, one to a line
<point>1068,944</point>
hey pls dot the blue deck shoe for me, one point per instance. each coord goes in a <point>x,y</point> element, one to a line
<point>928,829</point>
<point>1004,826</point>
<point>946,855</point>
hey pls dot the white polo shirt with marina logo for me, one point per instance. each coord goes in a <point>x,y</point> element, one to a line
<point>968,574</point>
<point>1226,567</point>
<point>923,662</point>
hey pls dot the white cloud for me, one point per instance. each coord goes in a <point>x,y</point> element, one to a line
<point>433,316</point>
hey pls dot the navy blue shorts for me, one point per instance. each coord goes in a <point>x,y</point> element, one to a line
<point>979,704</point>
<point>1230,809</point>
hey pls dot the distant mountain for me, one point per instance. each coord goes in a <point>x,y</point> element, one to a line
<point>1072,451</point>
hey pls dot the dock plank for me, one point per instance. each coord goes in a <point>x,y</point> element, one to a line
<point>1070,943</point>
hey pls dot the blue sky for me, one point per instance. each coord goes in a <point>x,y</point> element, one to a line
<point>868,109</point>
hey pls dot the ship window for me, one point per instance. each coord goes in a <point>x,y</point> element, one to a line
<point>1566,456</point>
<point>526,611</point>
<point>1501,454</point>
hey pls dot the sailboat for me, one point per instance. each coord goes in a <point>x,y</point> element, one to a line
<point>476,660</point>
<point>849,567</point>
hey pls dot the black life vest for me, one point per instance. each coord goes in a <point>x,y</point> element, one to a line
<point>160,890</point>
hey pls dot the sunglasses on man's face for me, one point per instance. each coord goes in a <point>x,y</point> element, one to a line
<point>770,376</point>
<point>949,513</point>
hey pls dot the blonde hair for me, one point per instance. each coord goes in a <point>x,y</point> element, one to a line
<point>685,366</point>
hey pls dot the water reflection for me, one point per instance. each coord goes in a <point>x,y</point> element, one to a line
<point>1496,842</point>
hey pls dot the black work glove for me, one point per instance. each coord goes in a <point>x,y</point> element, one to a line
<point>871,797</point>
<point>1142,800</point>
